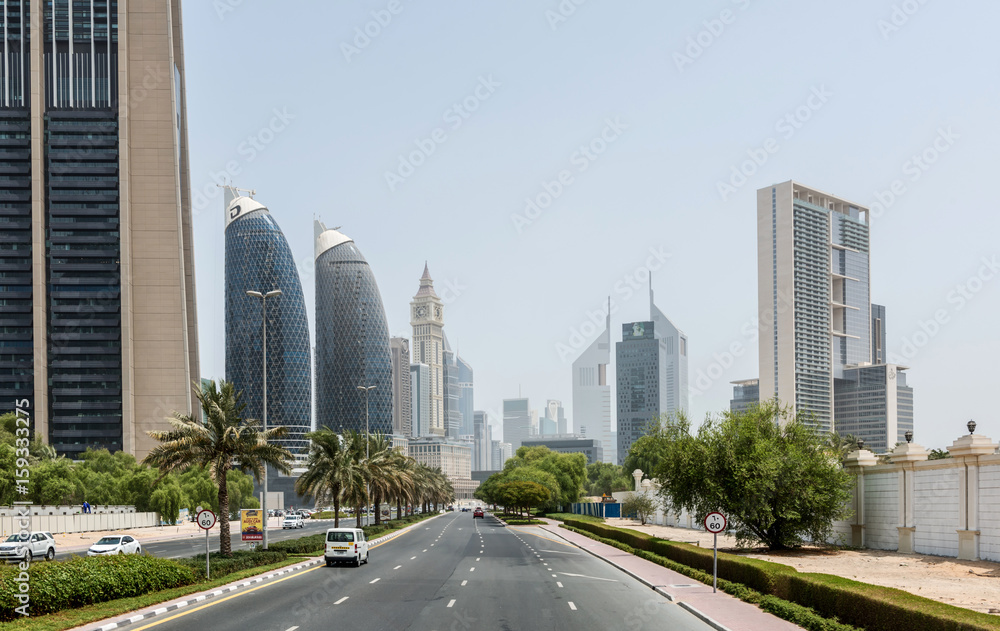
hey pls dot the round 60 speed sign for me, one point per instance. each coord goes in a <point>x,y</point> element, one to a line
<point>206,519</point>
<point>715,522</point>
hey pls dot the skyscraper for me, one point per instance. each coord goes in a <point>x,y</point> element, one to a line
<point>401,378</point>
<point>420,400</point>
<point>466,404</point>
<point>875,404</point>
<point>813,295</point>
<point>554,412</point>
<point>258,259</point>
<point>99,331</point>
<point>516,422</point>
<point>352,339</point>
<point>427,320</point>
<point>483,442</point>
<point>674,367</point>
<point>878,334</point>
<point>639,364</point>
<point>592,393</point>
<point>452,392</point>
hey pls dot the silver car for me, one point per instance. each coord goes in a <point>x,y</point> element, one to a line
<point>39,545</point>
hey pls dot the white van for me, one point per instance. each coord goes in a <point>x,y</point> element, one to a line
<point>346,545</point>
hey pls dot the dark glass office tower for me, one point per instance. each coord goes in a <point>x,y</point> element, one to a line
<point>258,259</point>
<point>98,331</point>
<point>352,339</point>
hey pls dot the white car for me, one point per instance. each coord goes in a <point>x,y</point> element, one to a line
<point>293,520</point>
<point>346,545</point>
<point>117,544</point>
<point>38,545</point>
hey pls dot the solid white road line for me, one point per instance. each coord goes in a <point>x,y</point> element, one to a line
<point>572,606</point>
<point>451,603</point>
<point>341,600</point>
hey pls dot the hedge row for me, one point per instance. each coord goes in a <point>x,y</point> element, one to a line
<point>80,581</point>
<point>867,606</point>
<point>241,560</point>
<point>314,543</point>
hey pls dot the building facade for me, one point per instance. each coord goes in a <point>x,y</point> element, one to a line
<point>674,367</point>
<point>482,449</point>
<point>466,404</point>
<point>352,339</point>
<point>501,452</point>
<point>420,400</point>
<point>452,392</point>
<point>99,338</point>
<point>592,410</point>
<point>878,335</point>
<point>554,412</point>
<point>589,447</point>
<point>746,394</point>
<point>516,422</point>
<point>454,460</point>
<point>427,320</point>
<point>813,295</point>
<point>639,364</point>
<point>874,403</point>
<point>258,258</point>
<point>402,415</point>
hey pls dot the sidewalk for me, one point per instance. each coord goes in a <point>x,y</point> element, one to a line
<point>720,610</point>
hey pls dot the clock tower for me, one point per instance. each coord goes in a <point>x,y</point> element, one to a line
<point>427,320</point>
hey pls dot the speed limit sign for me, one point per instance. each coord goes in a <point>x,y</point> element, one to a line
<point>715,522</point>
<point>206,519</point>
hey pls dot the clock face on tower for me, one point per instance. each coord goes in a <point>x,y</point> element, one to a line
<point>420,312</point>
<point>437,312</point>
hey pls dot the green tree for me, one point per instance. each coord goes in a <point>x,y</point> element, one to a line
<point>328,470</point>
<point>52,483</point>
<point>240,493</point>
<point>938,454</point>
<point>767,471</point>
<point>642,505</point>
<point>523,494</point>
<point>568,470</point>
<point>605,478</point>
<point>167,500</point>
<point>645,453</point>
<point>224,441</point>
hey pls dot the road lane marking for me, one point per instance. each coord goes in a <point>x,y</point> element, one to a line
<point>572,606</point>
<point>341,600</point>
<point>477,558</point>
<point>397,567</point>
<point>411,558</point>
<point>374,581</point>
<point>596,578</point>
<point>472,569</point>
<point>559,584</point>
<point>464,582</point>
<point>425,549</point>
<point>451,603</point>
<point>291,628</point>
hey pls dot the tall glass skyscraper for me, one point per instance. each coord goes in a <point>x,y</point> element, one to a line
<point>98,333</point>
<point>352,339</point>
<point>592,410</point>
<point>258,259</point>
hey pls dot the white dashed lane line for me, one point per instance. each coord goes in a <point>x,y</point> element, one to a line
<point>558,583</point>
<point>397,567</point>
<point>371,582</point>
<point>341,600</point>
<point>472,569</point>
<point>411,558</point>
<point>572,606</point>
<point>451,603</point>
<point>464,583</point>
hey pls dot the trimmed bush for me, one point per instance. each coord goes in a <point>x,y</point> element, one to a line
<point>301,545</point>
<point>241,560</point>
<point>80,581</point>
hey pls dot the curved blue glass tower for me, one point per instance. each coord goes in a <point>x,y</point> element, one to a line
<point>352,339</point>
<point>258,259</point>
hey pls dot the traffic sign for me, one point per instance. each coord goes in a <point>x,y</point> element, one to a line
<point>715,522</point>
<point>206,519</point>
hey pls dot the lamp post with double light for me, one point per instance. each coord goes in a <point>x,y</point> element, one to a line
<point>263,300</point>
<point>366,390</point>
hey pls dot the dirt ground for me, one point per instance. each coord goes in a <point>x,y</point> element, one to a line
<point>970,584</point>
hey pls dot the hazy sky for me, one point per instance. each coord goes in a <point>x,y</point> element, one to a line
<point>423,129</point>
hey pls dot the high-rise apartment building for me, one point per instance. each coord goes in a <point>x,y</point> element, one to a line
<point>420,400</point>
<point>427,320</point>
<point>99,332</point>
<point>516,422</point>
<point>399,348</point>
<point>592,411</point>
<point>259,259</point>
<point>352,339</point>
<point>500,453</point>
<point>875,404</point>
<point>813,295</point>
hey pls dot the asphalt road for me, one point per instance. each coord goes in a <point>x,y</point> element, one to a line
<point>177,548</point>
<point>453,572</point>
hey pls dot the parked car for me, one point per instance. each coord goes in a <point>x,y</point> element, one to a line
<point>117,544</point>
<point>478,513</point>
<point>346,545</point>
<point>293,520</point>
<point>38,545</point>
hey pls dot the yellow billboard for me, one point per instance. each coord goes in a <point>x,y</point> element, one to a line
<point>252,524</point>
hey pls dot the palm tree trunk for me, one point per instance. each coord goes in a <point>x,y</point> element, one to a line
<point>399,508</point>
<point>336,509</point>
<point>225,542</point>
<point>377,501</point>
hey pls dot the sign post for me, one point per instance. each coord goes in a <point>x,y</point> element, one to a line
<point>206,519</point>
<point>715,523</point>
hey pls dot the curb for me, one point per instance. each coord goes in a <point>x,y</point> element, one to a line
<point>693,610</point>
<point>197,599</point>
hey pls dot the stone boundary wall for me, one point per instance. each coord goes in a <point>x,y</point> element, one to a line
<point>67,519</point>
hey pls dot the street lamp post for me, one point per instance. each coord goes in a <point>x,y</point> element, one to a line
<point>263,301</point>
<point>366,390</point>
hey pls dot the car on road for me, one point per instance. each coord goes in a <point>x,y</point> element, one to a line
<point>346,545</point>
<point>478,513</point>
<point>117,544</point>
<point>38,545</point>
<point>293,520</point>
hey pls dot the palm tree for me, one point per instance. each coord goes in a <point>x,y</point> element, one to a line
<point>224,441</point>
<point>378,471</point>
<point>355,489</point>
<point>328,470</point>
